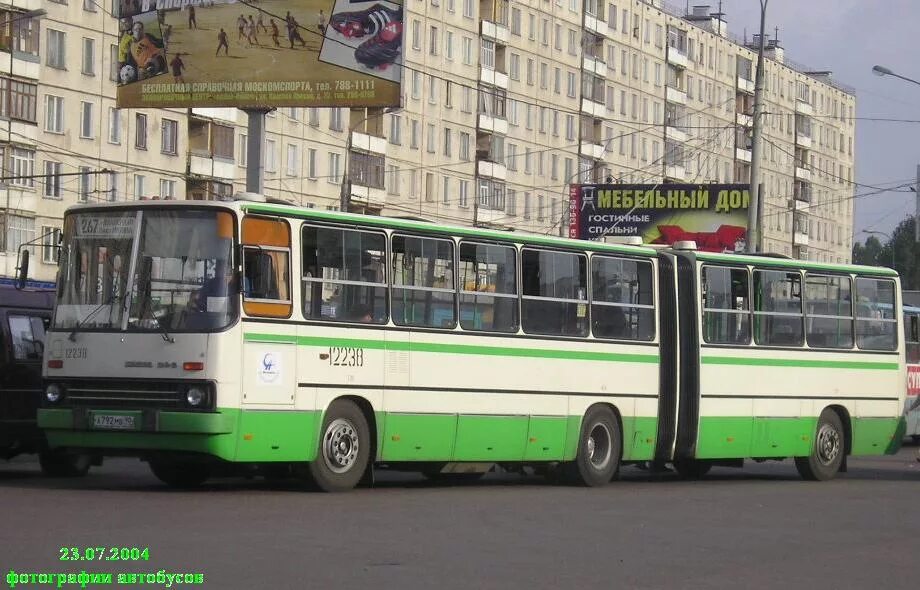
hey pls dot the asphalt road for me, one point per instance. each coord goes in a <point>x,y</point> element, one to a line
<point>760,527</point>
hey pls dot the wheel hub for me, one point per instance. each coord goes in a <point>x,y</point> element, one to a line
<point>828,444</point>
<point>340,445</point>
<point>599,446</point>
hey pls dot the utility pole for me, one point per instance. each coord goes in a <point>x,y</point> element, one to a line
<point>753,231</point>
<point>917,209</point>
<point>254,142</point>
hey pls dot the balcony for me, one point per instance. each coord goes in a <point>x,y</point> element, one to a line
<point>491,169</point>
<point>212,167</point>
<point>595,65</point>
<point>800,205</point>
<point>803,108</point>
<point>743,154</point>
<point>746,121</point>
<point>799,238</point>
<point>675,133</point>
<point>368,143</point>
<point>494,14</point>
<point>493,124</point>
<point>21,132</point>
<point>593,108</point>
<point>676,95</point>
<point>595,25</point>
<point>677,58</point>
<point>367,196</point>
<point>592,150</point>
<point>802,140</point>
<point>802,173</point>
<point>675,171</point>
<point>493,78</point>
<point>745,85</point>
<point>25,65</point>
<point>229,114</point>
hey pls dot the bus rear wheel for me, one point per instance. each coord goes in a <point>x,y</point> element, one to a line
<point>344,448</point>
<point>178,474</point>
<point>827,452</point>
<point>60,464</point>
<point>599,445</point>
<point>692,468</point>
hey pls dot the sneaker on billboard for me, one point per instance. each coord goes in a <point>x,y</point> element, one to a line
<point>370,21</point>
<point>381,50</point>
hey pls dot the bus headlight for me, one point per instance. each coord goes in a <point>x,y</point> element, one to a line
<point>54,393</point>
<point>195,396</point>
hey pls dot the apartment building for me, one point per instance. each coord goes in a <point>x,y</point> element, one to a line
<point>504,104</point>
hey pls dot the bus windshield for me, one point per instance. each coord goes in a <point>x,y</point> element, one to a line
<point>175,265</point>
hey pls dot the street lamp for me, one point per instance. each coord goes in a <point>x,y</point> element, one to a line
<point>883,71</point>
<point>881,233</point>
<point>345,191</point>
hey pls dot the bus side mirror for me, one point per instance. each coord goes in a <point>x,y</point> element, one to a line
<point>22,270</point>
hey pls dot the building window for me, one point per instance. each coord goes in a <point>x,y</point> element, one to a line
<point>432,138</point>
<point>21,231</point>
<point>392,179</point>
<point>52,180</point>
<point>463,194</point>
<point>447,134</point>
<point>114,126</point>
<point>464,146</point>
<point>22,167</point>
<point>86,120</point>
<point>18,100</point>
<point>139,188</point>
<point>445,193</point>
<point>467,48</point>
<point>270,157</point>
<point>242,148</point>
<point>334,177</point>
<point>21,32</point>
<point>89,57</point>
<point>86,184</point>
<point>167,189</point>
<point>222,139</point>
<point>170,132</point>
<point>113,63</point>
<point>433,40</point>
<point>487,55</point>
<point>56,57</point>
<point>335,119</point>
<point>291,168</point>
<point>313,116</point>
<point>140,133</point>
<point>395,127</point>
<point>54,114</point>
<point>311,163</point>
<point>51,236</point>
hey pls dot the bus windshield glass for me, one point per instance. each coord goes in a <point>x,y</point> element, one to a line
<point>175,265</point>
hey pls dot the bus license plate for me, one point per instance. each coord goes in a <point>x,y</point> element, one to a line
<point>113,422</point>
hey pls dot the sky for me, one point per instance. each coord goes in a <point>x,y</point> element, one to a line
<point>848,37</point>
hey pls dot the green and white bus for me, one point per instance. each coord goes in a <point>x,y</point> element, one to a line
<point>207,336</point>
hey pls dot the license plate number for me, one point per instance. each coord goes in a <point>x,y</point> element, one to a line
<point>113,422</point>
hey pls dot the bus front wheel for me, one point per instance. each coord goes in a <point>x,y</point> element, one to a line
<point>827,451</point>
<point>344,448</point>
<point>599,445</point>
<point>60,464</point>
<point>177,474</point>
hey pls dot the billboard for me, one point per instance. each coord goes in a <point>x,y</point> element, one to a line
<point>270,53</point>
<point>713,215</point>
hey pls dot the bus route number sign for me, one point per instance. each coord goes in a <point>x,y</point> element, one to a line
<point>346,356</point>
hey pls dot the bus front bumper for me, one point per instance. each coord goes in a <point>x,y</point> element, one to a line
<point>132,421</point>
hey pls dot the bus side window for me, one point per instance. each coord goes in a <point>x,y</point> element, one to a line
<point>266,267</point>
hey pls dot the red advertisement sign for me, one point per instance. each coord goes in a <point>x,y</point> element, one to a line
<point>913,379</point>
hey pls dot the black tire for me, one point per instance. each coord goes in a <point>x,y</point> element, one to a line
<point>599,445</point>
<point>827,452</point>
<point>915,438</point>
<point>178,474</point>
<point>60,464</point>
<point>344,448</point>
<point>692,468</point>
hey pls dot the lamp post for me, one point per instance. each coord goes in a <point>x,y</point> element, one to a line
<point>890,241</point>
<point>752,241</point>
<point>883,71</point>
<point>345,191</point>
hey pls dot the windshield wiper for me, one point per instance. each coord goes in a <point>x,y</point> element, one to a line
<point>147,313</point>
<point>73,333</point>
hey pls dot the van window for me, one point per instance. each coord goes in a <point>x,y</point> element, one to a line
<point>555,292</point>
<point>778,308</point>
<point>726,305</point>
<point>28,337</point>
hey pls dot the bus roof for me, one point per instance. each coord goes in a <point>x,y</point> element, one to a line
<point>803,264</point>
<point>25,299</point>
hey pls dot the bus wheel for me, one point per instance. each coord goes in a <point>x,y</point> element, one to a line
<point>177,474</point>
<point>344,448</point>
<point>60,464</point>
<point>827,453</point>
<point>599,444</point>
<point>692,468</point>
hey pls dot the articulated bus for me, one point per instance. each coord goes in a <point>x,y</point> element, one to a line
<point>208,337</point>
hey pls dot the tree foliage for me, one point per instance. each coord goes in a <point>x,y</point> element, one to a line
<point>902,245</point>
